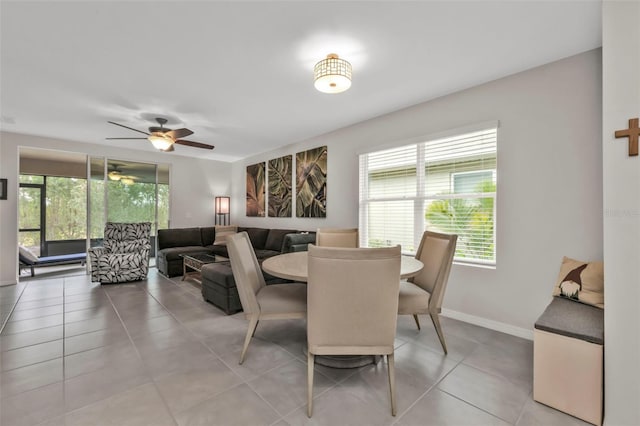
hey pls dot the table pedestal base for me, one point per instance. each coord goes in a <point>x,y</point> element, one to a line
<point>345,361</point>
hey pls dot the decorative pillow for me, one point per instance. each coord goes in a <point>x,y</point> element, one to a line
<point>222,232</point>
<point>27,254</point>
<point>581,281</point>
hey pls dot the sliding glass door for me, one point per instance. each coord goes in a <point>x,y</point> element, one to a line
<point>128,191</point>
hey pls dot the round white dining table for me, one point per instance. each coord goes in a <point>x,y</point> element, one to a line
<point>293,266</point>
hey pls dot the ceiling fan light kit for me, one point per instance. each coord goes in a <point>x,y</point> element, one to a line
<point>164,139</point>
<point>332,74</point>
<point>160,141</point>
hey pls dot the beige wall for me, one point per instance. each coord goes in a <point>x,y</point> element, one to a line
<point>549,201</point>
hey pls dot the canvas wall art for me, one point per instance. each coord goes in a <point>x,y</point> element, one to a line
<point>311,183</point>
<point>280,191</point>
<point>255,189</point>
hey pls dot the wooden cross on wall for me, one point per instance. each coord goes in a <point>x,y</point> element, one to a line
<point>633,132</point>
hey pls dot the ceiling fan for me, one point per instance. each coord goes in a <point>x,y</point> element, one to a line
<point>163,138</point>
<point>116,174</point>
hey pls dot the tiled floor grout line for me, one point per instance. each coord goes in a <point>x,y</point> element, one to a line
<point>135,348</point>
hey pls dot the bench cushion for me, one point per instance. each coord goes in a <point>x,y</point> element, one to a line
<point>571,319</point>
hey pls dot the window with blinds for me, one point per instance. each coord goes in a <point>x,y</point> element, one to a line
<point>444,185</point>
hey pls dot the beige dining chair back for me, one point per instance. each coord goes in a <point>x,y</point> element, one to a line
<point>337,237</point>
<point>352,305</point>
<point>259,301</point>
<point>424,292</point>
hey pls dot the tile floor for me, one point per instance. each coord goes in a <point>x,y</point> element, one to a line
<point>153,353</point>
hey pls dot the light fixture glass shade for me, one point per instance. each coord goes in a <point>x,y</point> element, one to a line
<point>114,175</point>
<point>332,75</point>
<point>222,205</point>
<point>159,141</point>
<point>127,181</point>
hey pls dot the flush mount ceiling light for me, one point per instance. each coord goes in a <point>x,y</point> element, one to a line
<point>332,75</point>
<point>160,141</point>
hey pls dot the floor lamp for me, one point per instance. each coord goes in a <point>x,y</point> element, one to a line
<point>222,210</point>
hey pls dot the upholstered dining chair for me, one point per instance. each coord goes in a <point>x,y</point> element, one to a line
<point>337,237</point>
<point>423,293</point>
<point>124,256</point>
<point>352,302</point>
<point>259,301</point>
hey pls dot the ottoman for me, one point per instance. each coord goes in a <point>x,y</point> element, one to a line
<point>568,351</point>
<point>219,287</point>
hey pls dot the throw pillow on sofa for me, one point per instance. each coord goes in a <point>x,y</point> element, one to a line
<point>581,281</point>
<point>223,232</point>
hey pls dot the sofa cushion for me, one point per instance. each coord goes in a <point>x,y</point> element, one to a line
<point>258,236</point>
<point>263,254</point>
<point>179,237</point>
<point>581,281</point>
<point>208,235</point>
<point>220,250</point>
<point>173,253</point>
<point>222,232</point>
<point>275,239</point>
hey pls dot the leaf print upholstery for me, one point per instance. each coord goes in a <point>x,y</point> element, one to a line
<point>125,255</point>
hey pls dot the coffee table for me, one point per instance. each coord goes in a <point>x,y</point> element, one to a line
<point>195,262</point>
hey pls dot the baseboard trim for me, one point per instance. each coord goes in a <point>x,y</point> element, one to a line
<point>490,324</point>
<point>5,283</point>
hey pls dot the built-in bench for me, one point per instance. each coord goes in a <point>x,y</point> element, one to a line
<point>62,259</point>
<point>568,352</point>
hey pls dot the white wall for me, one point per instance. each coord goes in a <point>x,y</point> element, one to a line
<point>621,101</point>
<point>194,184</point>
<point>549,179</point>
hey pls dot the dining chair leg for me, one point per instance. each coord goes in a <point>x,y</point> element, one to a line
<point>415,317</point>
<point>392,382</point>
<point>254,330</point>
<point>310,365</point>
<point>253,323</point>
<point>436,323</point>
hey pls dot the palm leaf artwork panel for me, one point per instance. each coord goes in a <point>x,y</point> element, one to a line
<point>255,190</point>
<point>280,191</point>
<point>311,183</point>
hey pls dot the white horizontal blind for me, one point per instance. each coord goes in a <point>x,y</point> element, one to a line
<point>444,185</point>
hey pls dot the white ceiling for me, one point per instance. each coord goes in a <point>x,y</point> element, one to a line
<point>239,74</point>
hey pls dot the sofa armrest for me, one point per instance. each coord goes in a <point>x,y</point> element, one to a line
<point>297,242</point>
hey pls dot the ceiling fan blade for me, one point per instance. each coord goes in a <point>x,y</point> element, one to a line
<point>130,128</point>
<point>179,133</point>
<point>194,144</point>
<point>112,139</point>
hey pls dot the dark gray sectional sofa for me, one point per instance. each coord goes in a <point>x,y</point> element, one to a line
<point>218,284</point>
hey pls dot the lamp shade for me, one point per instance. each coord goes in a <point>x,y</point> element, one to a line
<point>159,141</point>
<point>222,205</point>
<point>332,75</point>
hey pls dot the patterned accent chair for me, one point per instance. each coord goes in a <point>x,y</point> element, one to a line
<point>125,255</point>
